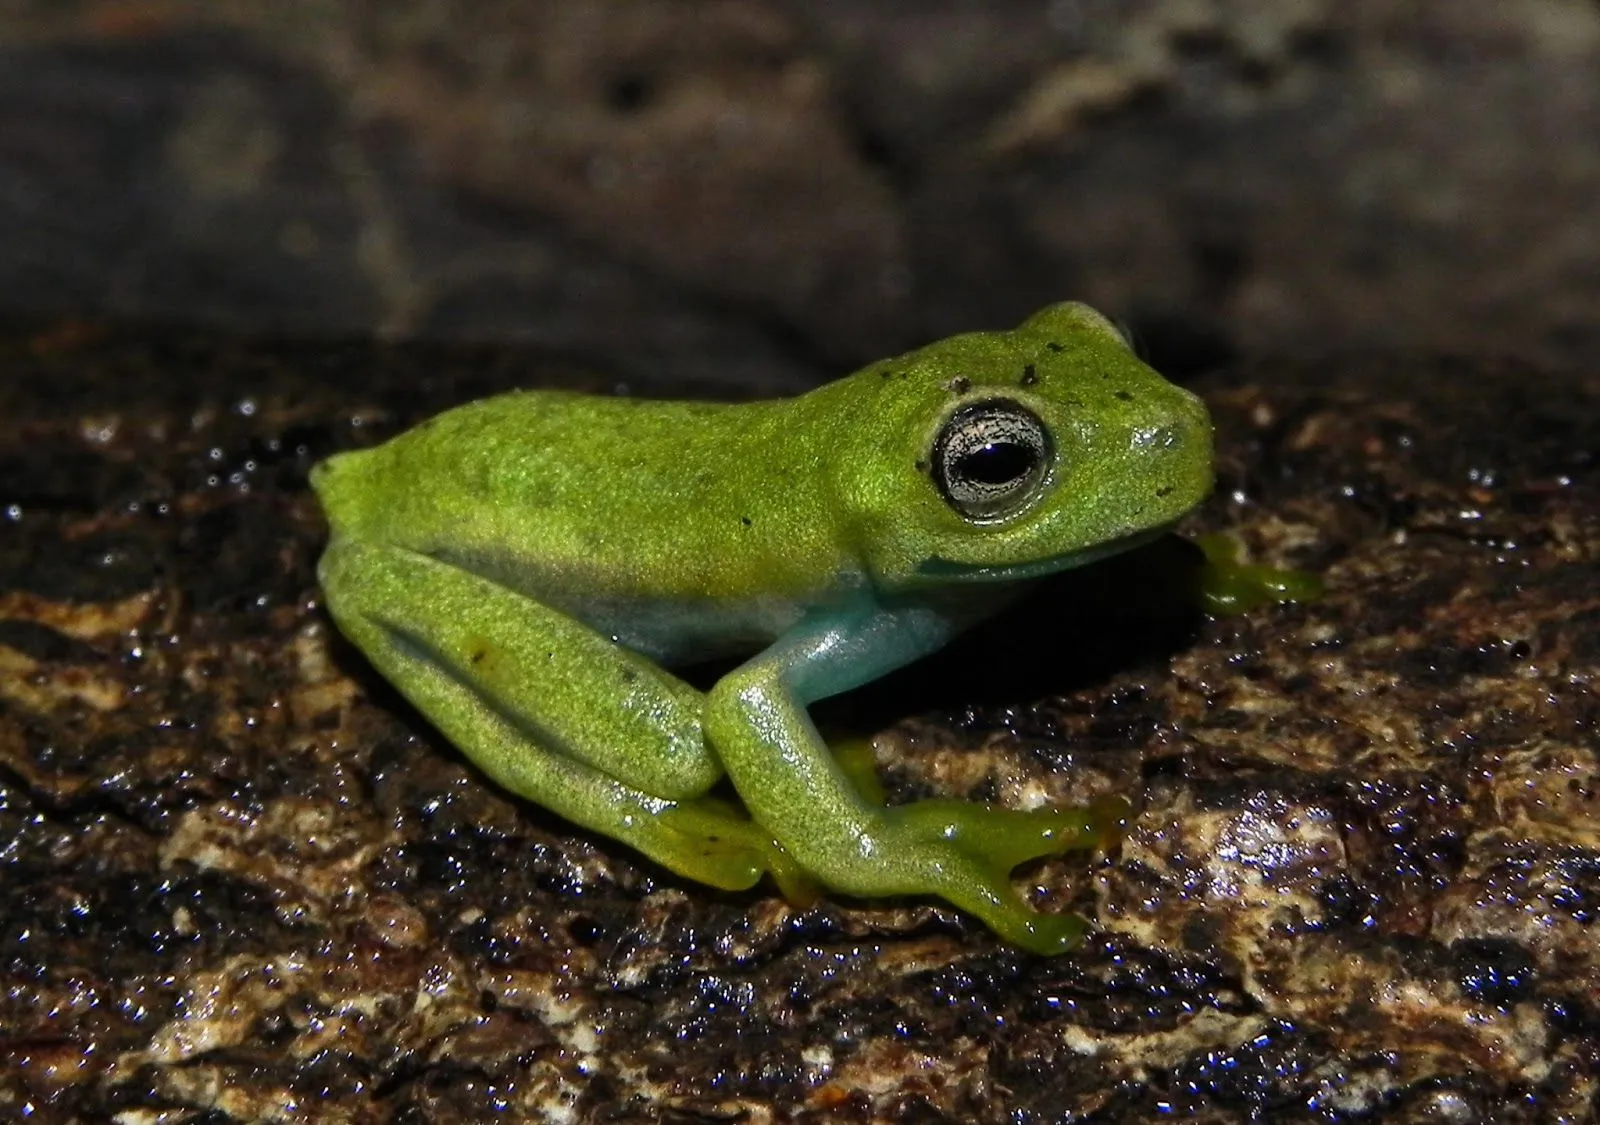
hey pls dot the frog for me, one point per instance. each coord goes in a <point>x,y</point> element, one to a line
<point>534,572</point>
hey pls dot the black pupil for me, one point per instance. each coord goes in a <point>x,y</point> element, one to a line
<point>998,462</point>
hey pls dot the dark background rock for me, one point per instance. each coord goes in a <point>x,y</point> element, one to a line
<point>771,192</point>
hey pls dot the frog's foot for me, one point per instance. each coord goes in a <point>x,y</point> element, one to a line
<point>710,842</point>
<point>964,853</point>
<point>1229,585</point>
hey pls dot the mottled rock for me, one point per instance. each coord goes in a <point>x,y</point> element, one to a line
<point>240,880</point>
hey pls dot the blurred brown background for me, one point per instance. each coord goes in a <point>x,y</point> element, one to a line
<point>773,191</point>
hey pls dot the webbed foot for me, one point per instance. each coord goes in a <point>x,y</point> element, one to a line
<point>964,853</point>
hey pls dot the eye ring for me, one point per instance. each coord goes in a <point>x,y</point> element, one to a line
<point>991,459</point>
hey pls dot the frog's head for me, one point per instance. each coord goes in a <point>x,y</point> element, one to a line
<point>995,456</point>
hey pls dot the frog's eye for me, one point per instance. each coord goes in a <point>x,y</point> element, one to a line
<point>990,460</point>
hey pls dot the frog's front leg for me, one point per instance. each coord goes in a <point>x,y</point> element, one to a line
<point>548,708</point>
<point>960,851</point>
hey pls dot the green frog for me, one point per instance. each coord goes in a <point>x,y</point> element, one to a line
<point>526,570</point>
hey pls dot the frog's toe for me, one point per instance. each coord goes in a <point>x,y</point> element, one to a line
<point>987,893</point>
<point>1037,931</point>
<point>1003,838</point>
<point>704,841</point>
<point>1021,836</point>
<point>1107,821</point>
<point>1229,585</point>
<point>705,844</point>
<point>726,864</point>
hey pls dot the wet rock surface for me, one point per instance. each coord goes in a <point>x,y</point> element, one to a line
<point>240,879</point>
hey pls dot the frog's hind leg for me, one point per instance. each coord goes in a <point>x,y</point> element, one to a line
<point>548,708</point>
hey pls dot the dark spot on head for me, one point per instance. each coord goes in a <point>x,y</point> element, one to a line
<point>630,675</point>
<point>478,655</point>
<point>922,466</point>
<point>1055,347</point>
<point>960,385</point>
<point>1030,375</point>
<point>1164,491</point>
<point>886,373</point>
<point>745,520</point>
<point>1122,396</point>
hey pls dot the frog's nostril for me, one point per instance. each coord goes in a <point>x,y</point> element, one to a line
<point>1168,436</point>
<point>1157,438</point>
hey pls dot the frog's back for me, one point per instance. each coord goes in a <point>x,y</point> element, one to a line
<point>587,500</point>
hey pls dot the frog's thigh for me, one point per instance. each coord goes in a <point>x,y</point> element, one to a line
<point>515,683</point>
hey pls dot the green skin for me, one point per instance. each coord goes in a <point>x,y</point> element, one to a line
<point>525,568</point>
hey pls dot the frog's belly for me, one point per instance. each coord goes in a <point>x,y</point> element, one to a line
<point>676,633</point>
<point>673,631</point>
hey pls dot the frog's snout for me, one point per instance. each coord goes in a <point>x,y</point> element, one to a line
<point>1174,448</point>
